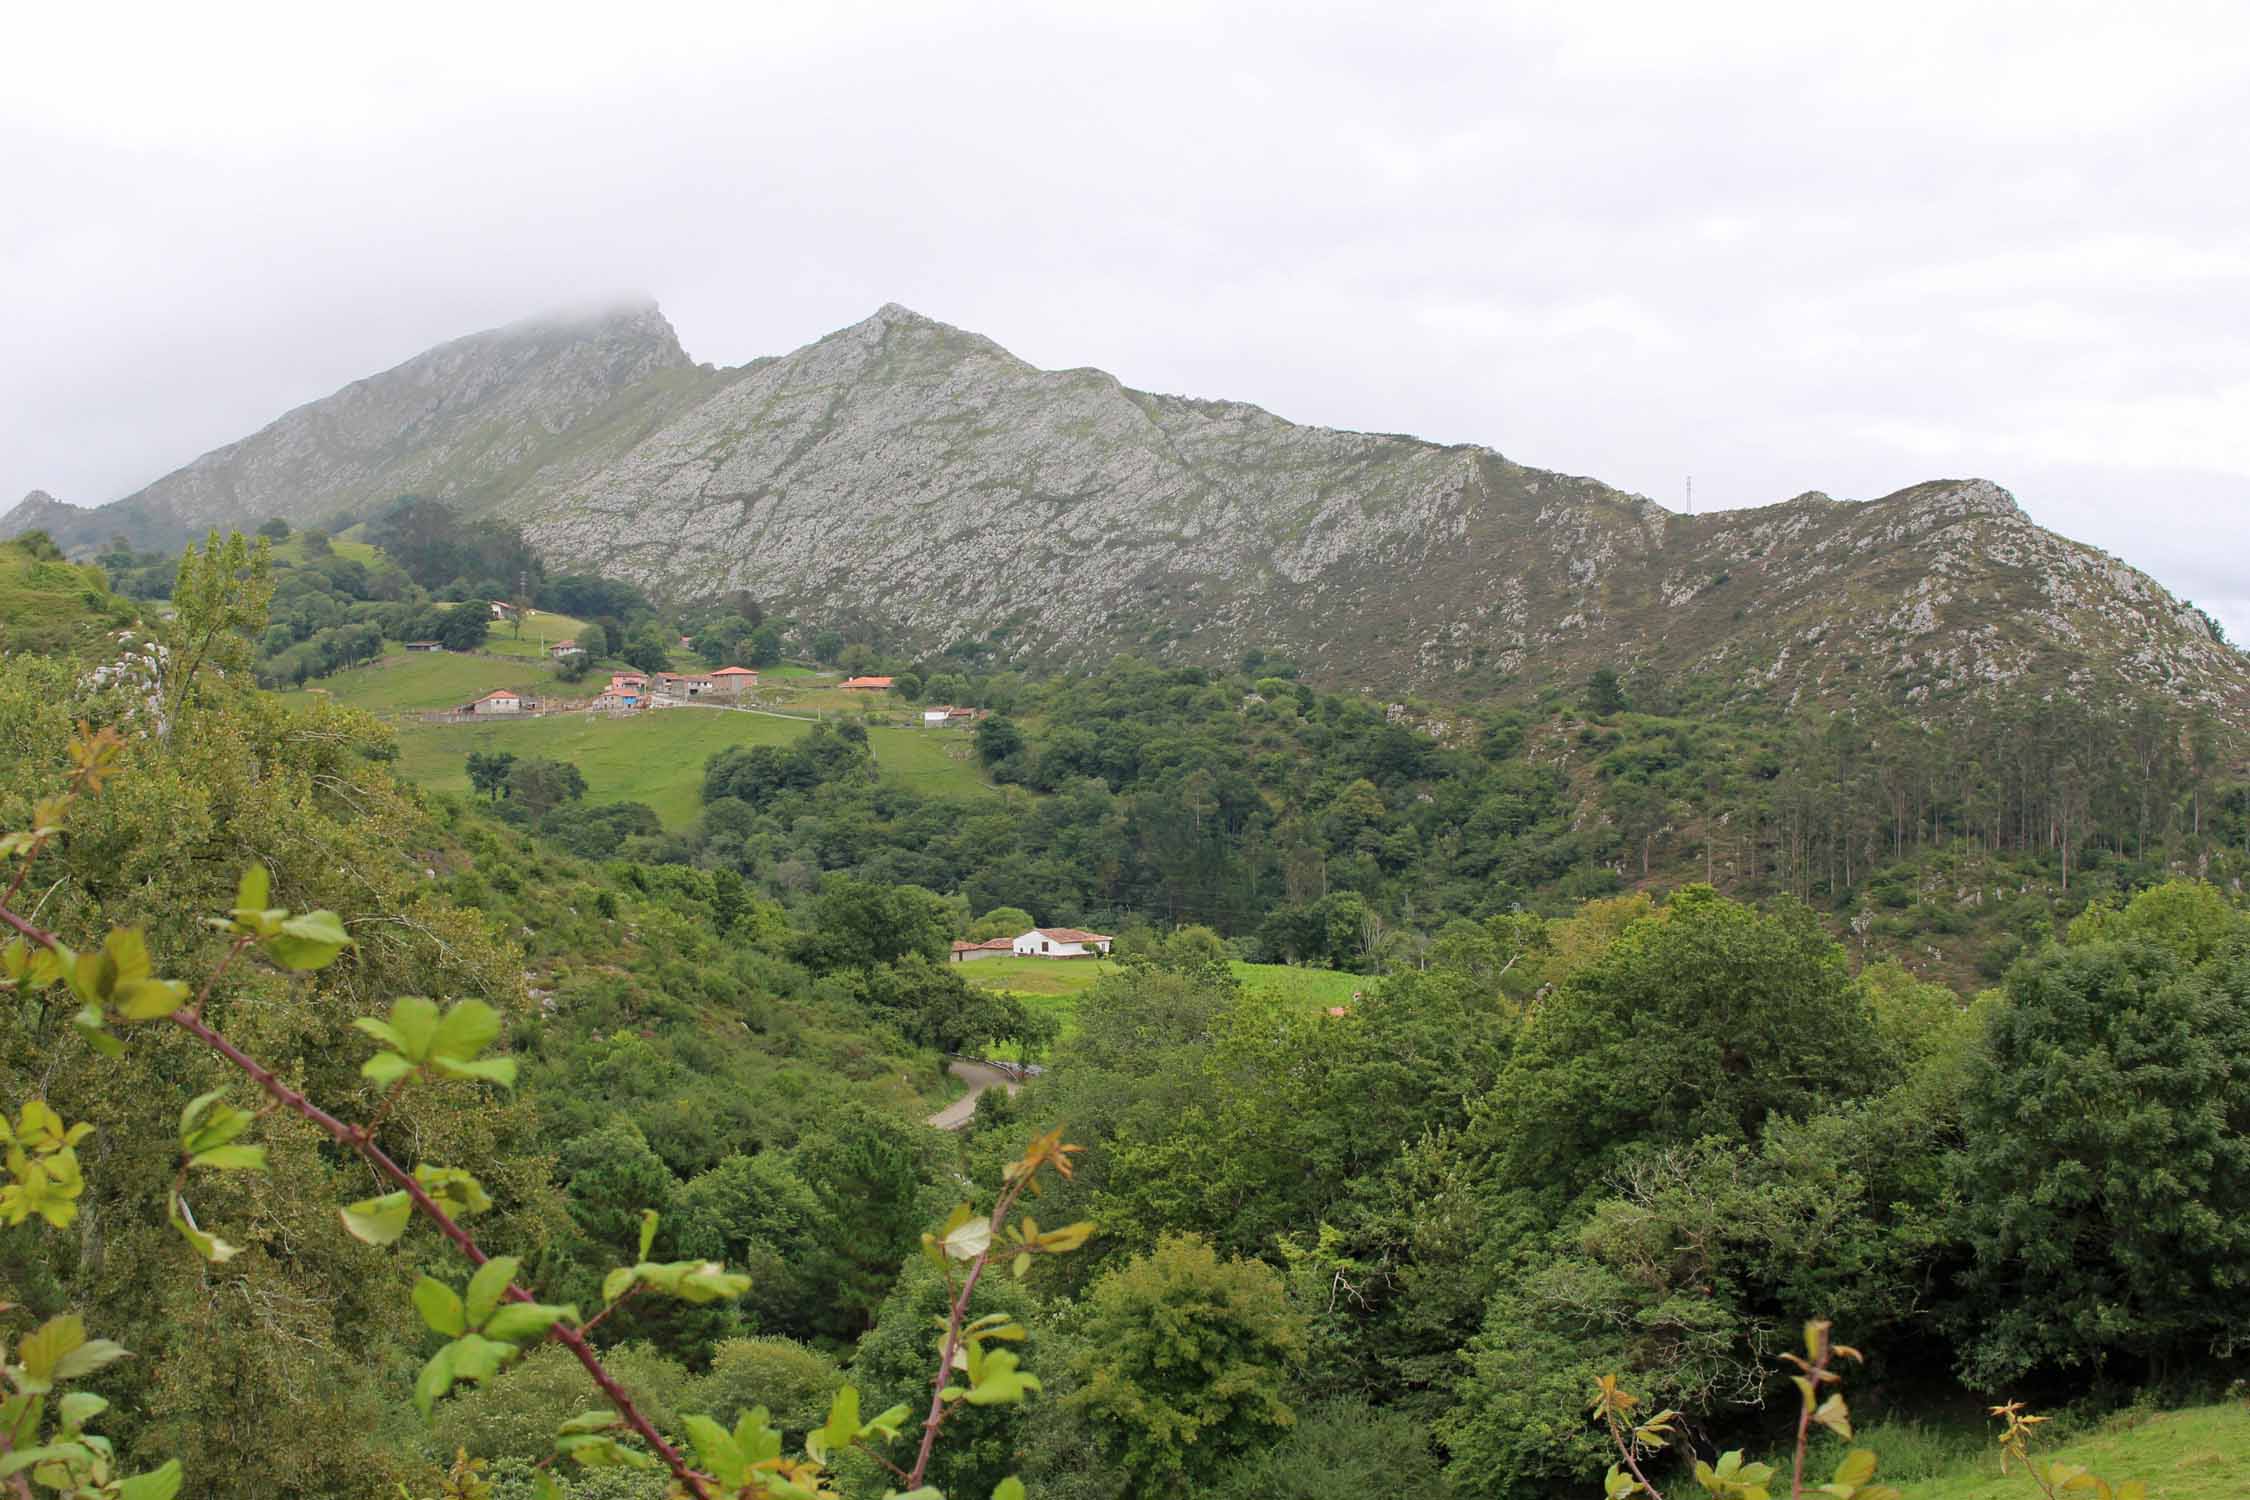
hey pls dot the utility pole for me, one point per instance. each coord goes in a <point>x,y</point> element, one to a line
<point>1691,494</point>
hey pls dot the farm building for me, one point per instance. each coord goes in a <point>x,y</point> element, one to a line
<point>683,684</point>
<point>867,684</point>
<point>562,649</point>
<point>424,646</point>
<point>499,701</point>
<point>966,953</point>
<point>727,682</point>
<point>1059,942</point>
<point>944,716</point>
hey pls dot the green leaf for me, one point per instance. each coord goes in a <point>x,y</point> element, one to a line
<point>224,1123</point>
<point>500,1070</point>
<point>254,892</point>
<point>590,1421</point>
<point>717,1449</point>
<point>1857,1468</point>
<point>80,1407</point>
<point>25,1458</point>
<point>1010,1488</point>
<point>89,1357</point>
<point>454,1190</point>
<point>440,1307</point>
<point>414,1021</point>
<point>478,1358</point>
<point>382,1031</point>
<point>379,1221</point>
<point>434,1381</point>
<point>649,1220</point>
<point>489,1285</point>
<point>886,1424</point>
<point>617,1283</point>
<point>544,1486</point>
<point>149,999</point>
<point>43,1348</point>
<point>385,1068</point>
<point>468,1028</point>
<point>127,951</point>
<point>309,940</point>
<point>598,1450</point>
<point>231,1158</point>
<point>516,1322</point>
<point>969,1240</point>
<point>1000,1383</point>
<point>842,1425</point>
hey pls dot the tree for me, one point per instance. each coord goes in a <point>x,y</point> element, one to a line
<point>465,626</point>
<point>276,529</point>
<point>998,739</point>
<point>1604,694</point>
<point>1706,1021</point>
<point>860,923</point>
<point>1186,1365</point>
<point>827,646</point>
<point>1001,921</point>
<point>572,666</point>
<point>647,648</point>
<point>541,785</point>
<point>2105,1176</point>
<point>489,771</point>
<point>765,646</point>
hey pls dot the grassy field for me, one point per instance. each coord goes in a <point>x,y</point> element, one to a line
<point>1053,986</point>
<point>440,679</point>
<point>934,762</point>
<point>655,757</point>
<point>293,551</point>
<point>2201,1453</point>
<point>540,630</point>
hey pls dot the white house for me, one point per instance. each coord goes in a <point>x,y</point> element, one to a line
<point>1060,942</point>
<point>500,702</point>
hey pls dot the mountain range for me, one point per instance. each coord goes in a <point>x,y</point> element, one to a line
<point>919,482</point>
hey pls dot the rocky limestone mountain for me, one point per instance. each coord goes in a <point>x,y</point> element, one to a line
<point>471,420</point>
<point>919,482</point>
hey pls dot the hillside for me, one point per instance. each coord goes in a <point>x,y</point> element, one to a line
<point>920,483</point>
<point>53,607</point>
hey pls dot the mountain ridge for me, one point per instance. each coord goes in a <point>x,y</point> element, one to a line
<point>914,480</point>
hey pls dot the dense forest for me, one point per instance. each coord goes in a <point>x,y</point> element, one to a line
<point>1633,1086</point>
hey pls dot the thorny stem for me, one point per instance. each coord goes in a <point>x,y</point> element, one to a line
<point>360,1140</point>
<point>1625,1450</point>
<point>938,1410</point>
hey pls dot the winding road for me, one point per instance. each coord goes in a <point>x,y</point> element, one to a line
<point>979,1077</point>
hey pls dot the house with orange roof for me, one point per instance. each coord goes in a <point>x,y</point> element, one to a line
<point>498,701</point>
<point>867,684</point>
<point>731,682</point>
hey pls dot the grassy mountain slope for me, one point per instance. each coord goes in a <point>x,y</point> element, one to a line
<point>52,607</point>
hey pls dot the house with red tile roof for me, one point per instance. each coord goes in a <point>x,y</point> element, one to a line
<point>867,684</point>
<point>499,701</point>
<point>964,953</point>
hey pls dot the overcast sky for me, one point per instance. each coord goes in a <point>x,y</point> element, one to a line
<point>1779,247</point>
